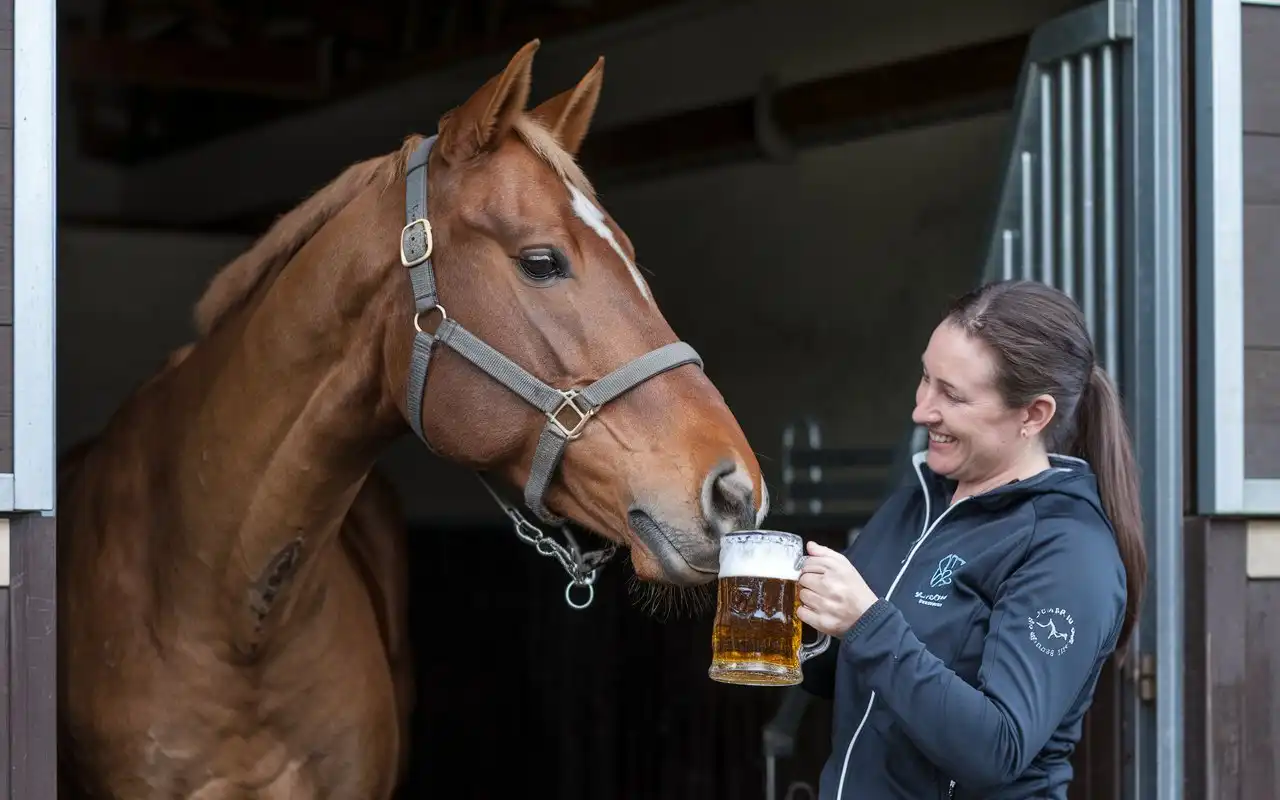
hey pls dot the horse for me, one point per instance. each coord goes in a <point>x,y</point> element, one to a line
<point>232,591</point>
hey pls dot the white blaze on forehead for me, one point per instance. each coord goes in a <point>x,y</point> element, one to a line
<point>594,217</point>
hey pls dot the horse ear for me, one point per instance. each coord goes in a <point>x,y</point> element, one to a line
<point>481,121</point>
<point>179,355</point>
<point>568,114</point>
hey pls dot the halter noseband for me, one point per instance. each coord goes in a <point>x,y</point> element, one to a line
<point>578,405</point>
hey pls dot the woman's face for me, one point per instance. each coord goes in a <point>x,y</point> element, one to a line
<point>973,436</point>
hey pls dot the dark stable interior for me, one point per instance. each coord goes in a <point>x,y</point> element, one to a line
<point>518,692</point>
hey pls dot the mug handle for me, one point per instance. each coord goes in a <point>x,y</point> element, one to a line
<point>818,646</point>
<point>815,648</point>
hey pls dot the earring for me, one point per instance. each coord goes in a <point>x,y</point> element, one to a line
<point>1024,433</point>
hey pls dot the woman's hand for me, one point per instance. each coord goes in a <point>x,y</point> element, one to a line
<point>833,596</point>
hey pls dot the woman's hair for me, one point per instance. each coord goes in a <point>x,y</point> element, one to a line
<point>1041,346</point>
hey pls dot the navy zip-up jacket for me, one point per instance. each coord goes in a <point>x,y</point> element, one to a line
<point>970,677</point>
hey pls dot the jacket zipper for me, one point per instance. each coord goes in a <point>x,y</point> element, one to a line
<point>951,791</point>
<point>906,563</point>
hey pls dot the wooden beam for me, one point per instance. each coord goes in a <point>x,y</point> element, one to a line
<point>945,86</point>
<point>935,88</point>
<point>278,70</point>
<point>432,50</point>
<point>305,71</point>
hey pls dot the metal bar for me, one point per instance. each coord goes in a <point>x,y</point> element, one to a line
<point>1006,269</point>
<point>1066,175</point>
<point>1028,213</point>
<point>1107,21</point>
<point>34,254</point>
<point>1080,30</point>
<point>1137,717</point>
<point>802,522</point>
<point>1088,204</point>
<point>1022,128</point>
<point>1046,179</point>
<point>1220,252</point>
<point>836,457</point>
<point>840,492</point>
<point>1110,214</point>
<point>1155,341</point>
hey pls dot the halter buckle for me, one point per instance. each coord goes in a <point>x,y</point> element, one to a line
<point>428,242</point>
<point>570,396</point>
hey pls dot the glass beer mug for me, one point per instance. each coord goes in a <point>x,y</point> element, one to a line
<point>756,637</point>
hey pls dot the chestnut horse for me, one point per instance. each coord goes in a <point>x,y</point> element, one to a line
<point>232,585</point>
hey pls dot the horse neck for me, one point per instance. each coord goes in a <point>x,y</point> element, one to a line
<point>293,410</point>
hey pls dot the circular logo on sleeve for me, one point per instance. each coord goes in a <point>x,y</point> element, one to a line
<point>1052,630</point>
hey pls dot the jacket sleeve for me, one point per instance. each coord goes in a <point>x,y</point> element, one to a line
<point>1052,621</point>
<point>820,671</point>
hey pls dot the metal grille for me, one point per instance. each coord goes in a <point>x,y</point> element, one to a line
<point>1059,211</point>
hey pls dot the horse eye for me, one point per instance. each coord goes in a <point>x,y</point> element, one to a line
<point>543,263</point>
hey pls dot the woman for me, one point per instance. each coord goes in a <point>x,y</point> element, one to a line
<point>974,612</point>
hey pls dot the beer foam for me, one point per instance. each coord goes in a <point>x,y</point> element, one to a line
<point>759,559</point>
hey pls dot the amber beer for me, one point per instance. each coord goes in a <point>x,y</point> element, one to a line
<point>756,637</point>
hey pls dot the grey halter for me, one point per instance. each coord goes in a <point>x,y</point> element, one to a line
<point>577,406</point>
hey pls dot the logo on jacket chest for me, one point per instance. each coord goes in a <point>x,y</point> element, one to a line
<point>939,581</point>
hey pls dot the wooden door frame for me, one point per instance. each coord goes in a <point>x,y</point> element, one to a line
<point>28,757</point>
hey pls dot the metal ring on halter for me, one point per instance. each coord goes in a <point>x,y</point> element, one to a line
<point>417,318</point>
<point>568,594</point>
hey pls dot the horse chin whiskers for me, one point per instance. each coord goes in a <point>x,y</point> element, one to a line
<point>665,602</point>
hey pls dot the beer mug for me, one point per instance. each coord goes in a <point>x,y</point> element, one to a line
<point>756,637</point>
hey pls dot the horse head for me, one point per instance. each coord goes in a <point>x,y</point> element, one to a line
<point>525,259</point>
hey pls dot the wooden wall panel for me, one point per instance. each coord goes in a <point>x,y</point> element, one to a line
<point>1261,264</point>
<point>33,664</point>
<point>1262,682</point>
<point>1260,85</point>
<point>1195,767</point>
<point>1260,68</point>
<point>1262,410</point>
<point>1232,692</point>
<point>5,764</point>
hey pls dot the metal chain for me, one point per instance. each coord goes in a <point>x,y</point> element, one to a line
<point>582,569</point>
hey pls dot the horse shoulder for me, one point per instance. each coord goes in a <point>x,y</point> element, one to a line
<point>374,535</point>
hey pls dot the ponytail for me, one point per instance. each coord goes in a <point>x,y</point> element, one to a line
<point>1042,346</point>
<point>1102,439</point>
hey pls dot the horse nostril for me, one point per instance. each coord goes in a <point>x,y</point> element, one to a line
<point>728,498</point>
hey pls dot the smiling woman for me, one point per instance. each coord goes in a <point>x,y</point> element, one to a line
<point>972,431</point>
<point>1017,560</point>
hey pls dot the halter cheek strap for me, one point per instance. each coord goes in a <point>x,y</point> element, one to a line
<point>567,410</point>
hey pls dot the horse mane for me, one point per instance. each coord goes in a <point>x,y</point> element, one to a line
<point>238,280</point>
<point>235,282</point>
<point>543,143</point>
